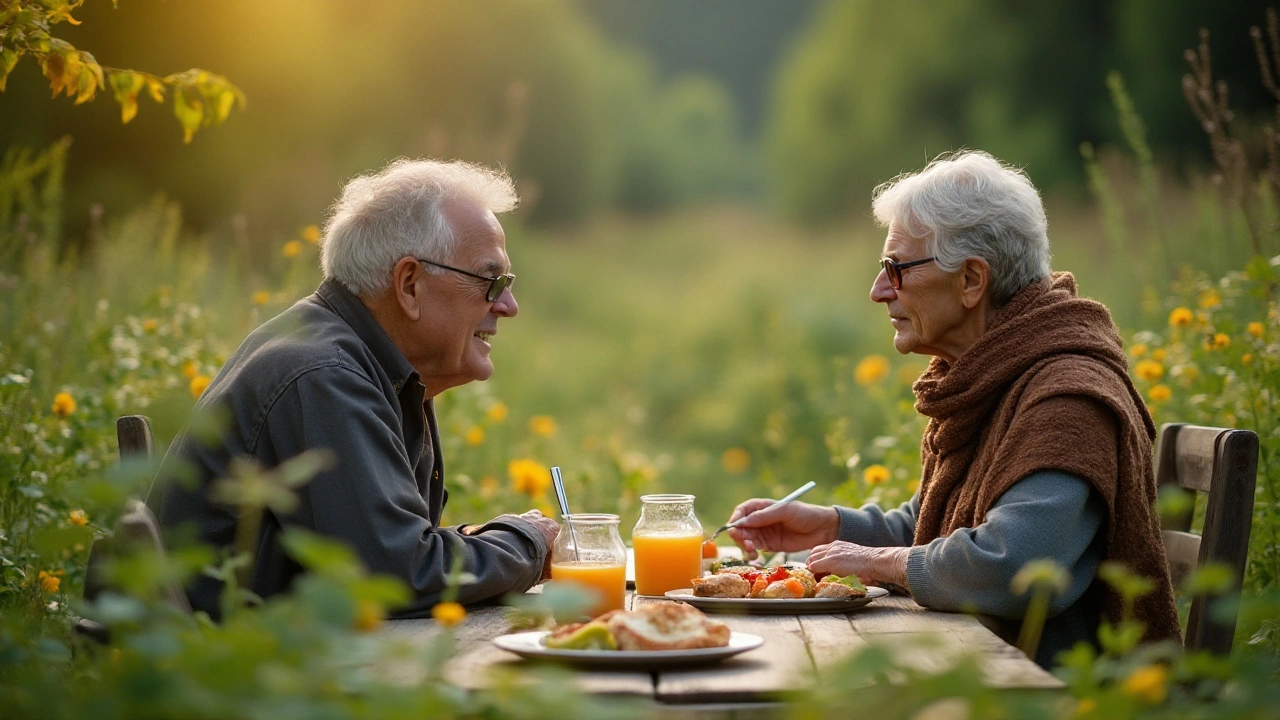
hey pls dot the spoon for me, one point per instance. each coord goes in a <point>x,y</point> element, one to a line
<point>558,482</point>
<point>794,494</point>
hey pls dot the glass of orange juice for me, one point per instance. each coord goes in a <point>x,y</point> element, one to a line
<point>668,544</point>
<point>588,552</point>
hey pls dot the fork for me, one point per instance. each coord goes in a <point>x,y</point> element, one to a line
<point>794,494</point>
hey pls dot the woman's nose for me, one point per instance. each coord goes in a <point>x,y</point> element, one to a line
<point>882,290</point>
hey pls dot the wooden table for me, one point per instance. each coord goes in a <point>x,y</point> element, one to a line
<point>798,649</point>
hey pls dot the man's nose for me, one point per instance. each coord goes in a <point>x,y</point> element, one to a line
<point>506,305</point>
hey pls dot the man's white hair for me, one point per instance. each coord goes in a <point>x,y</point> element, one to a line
<point>969,204</point>
<point>398,212</point>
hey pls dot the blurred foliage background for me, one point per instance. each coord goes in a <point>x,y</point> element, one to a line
<point>600,105</point>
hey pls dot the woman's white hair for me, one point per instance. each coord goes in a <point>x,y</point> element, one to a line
<point>969,204</point>
<point>398,212</point>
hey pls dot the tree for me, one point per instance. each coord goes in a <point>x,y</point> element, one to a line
<point>200,98</point>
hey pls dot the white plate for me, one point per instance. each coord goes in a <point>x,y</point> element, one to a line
<point>529,645</point>
<point>772,606</point>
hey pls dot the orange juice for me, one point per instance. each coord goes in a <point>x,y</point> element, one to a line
<point>666,562</point>
<point>608,580</point>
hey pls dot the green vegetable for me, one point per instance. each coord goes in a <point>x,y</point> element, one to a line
<point>592,636</point>
<point>850,580</point>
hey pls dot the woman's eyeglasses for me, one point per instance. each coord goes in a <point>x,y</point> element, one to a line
<point>893,270</point>
<point>496,284</point>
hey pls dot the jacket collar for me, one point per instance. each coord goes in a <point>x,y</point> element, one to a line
<point>352,310</point>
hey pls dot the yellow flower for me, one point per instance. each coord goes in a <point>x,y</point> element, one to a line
<point>311,234</point>
<point>475,435</point>
<point>913,485</point>
<point>488,486</point>
<point>1180,317</point>
<point>735,460</point>
<point>1210,299</point>
<point>1086,707</point>
<point>1149,370</point>
<point>875,474</point>
<point>49,582</point>
<point>1221,341</point>
<point>1246,358</point>
<point>262,297</point>
<point>149,325</point>
<point>190,369</point>
<point>1158,354</point>
<point>497,412</point>
<point>1159,393</point>
<point>449,614</point>
<point>291,249</point>
<point>63,404</point>
<point>1148,684</point>
<point>543,425</point>
<point>1138,350</point>
<point>529,477</point>
<point>872,369</point>
<point>1256,329</point>
<point>198,385</point>
<point>369,615</point>
<point>78,518</point>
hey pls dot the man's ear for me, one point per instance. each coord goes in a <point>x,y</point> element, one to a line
<point>975,277</point>
<point>404,286</point>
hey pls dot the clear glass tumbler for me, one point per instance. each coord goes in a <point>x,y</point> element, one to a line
<point>588,552</point>
<point>668,544</point>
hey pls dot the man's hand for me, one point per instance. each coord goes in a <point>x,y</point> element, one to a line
<point>549,529</point>
<point>791,527</point>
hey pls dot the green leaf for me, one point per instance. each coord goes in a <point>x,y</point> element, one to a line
<point>8,59</point>
<point>389,591</point>
<point>1212,579</point>
<point>189,110</point>
<point>322,555</point>
<point>1258,269</point>
<point>126,84</point>
<point>51,541</point>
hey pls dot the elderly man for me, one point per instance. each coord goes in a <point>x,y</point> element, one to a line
<point>416,278</point>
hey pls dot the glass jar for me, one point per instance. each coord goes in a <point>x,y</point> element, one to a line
<point>588,552</point>
<point>668,544</point>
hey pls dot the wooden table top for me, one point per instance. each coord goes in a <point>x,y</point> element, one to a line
<point>798,649</point>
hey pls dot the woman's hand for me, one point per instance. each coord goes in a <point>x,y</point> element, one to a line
<point>791,527</point>
<point>872,565</point>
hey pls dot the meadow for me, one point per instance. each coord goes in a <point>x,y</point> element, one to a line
<point>712,351</point>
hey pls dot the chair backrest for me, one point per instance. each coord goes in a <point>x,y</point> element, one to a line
<point>138,526</point>
<point>133,435</point>
<point>1223,463</point>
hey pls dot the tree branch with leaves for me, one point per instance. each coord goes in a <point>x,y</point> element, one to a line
<point>200,98</point>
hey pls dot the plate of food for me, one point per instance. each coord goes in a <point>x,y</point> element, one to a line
<point>651,637</point>
<point>783,590</point>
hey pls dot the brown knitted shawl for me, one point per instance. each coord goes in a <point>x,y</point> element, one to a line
<point>1045,346</point>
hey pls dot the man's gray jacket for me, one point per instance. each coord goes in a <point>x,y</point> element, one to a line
<point>324,374</point>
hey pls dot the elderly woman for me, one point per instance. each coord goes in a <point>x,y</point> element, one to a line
<point>1038,446</point>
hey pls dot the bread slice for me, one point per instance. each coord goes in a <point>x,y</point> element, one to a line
<point>668,626</point>
<point>727,585</point>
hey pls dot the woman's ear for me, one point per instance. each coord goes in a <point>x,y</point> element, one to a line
<point>975,278</point>
<point>404,286</point>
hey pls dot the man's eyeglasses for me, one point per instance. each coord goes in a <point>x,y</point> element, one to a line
<point>893,270</point>
<point>496,284</point>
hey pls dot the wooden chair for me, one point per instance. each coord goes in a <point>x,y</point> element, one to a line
<point>1223,463</point>
<point>137,527</point>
